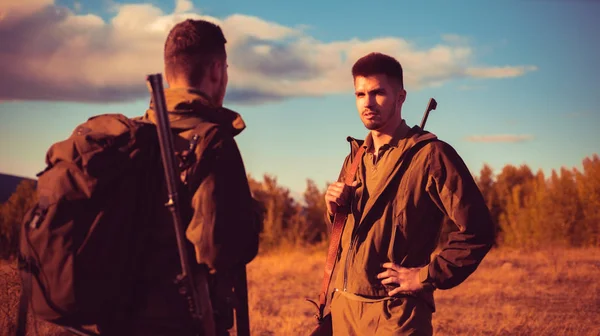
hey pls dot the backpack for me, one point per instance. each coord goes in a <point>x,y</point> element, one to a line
<point>80,242</point>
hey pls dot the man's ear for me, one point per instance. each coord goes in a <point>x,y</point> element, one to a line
<point>216,70</point>
<point>401,96</point>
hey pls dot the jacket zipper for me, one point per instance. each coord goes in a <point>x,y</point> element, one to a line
<point>350,251</point>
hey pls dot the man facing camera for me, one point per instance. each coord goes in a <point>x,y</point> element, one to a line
<point>406,183</point>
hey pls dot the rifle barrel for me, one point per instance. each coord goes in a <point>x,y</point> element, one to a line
<point>200,305</point>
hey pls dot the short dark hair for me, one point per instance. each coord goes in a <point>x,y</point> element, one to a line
<point>377,63</point>
<point>191,46</point>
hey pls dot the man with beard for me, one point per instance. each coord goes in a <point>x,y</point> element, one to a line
<point>407,182</point>
<point>223,223</point>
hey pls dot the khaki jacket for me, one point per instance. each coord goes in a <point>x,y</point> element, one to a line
<point>401,220</point>
<point>224,223</point>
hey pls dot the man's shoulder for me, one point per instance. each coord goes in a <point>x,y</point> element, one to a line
<point>431,149</point>
<point>442,147</point>
<point>440,156</point>
<point>429,141</point>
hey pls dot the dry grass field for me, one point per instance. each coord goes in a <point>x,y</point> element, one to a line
<point>553,292</point>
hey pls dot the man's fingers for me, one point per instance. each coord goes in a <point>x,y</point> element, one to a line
<point>390,280</point>
<point>385,274</point>
<point>335,189</point>
<point>393,266</point>
<point>337,193</point>
<point>396,290</point>
<point>338,185</point>
<point>332,195</point>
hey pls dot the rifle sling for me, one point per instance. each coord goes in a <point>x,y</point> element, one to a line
<point>339,220</point>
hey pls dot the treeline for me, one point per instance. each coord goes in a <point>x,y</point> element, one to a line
<point>533,210</point>
<point>530,210</point>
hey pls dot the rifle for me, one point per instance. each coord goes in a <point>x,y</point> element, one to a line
<point>432,105</point>
<point>324,326</point>
<point>195,290</point>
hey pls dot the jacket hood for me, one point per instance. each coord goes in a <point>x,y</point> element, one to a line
<point>187,107</point>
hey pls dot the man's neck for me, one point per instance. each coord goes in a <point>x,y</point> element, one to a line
<point>385,134</point>
<point>379,139</point>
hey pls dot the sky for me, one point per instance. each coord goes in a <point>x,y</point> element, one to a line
<point>516,81</point>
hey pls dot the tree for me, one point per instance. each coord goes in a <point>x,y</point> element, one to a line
<point>565,211</point>
<point>588,188</point>
<point>315,212</point>
<point>487,185</point>
<point>11,215</point>
<point>279,209</point>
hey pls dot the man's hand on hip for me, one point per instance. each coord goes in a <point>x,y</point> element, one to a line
<point>407,279</point>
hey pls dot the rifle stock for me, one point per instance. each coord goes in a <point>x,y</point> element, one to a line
<point>193,286</point>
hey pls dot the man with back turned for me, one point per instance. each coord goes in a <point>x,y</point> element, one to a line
<point>222,224</point>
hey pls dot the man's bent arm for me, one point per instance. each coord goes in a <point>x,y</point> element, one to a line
<point>452,187</point>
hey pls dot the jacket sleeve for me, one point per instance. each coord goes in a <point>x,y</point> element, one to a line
<point>452,187</point>
<point>225,224</point>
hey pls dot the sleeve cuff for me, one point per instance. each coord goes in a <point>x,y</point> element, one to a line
<point>424,277</point>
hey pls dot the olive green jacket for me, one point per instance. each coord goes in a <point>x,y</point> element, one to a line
<point>224,221</point>
<point>401,220</point>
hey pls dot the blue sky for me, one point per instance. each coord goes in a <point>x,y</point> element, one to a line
<point>501,71</point>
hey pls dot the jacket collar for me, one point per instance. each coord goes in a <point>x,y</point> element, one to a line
<point>400,133</point>
<point>413,136</point>
<point>187,107</point>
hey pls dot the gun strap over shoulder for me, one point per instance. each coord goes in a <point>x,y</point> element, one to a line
<point>339,220</point>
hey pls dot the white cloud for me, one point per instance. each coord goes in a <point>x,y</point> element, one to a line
<point>50,52</point>
<point>500,138</point>
<point>455,39</point>
<point>471,87</point>
<point>182,6</point>
<point>500,72</point>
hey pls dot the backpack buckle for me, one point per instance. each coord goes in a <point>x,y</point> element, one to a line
<point>185,157</point>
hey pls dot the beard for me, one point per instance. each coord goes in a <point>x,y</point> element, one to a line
<point>378,120</point>
<point>374,123</point>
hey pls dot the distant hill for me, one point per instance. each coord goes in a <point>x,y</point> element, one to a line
<point>8,185</point>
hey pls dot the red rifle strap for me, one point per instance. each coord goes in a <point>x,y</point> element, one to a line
<point>339,220</point>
